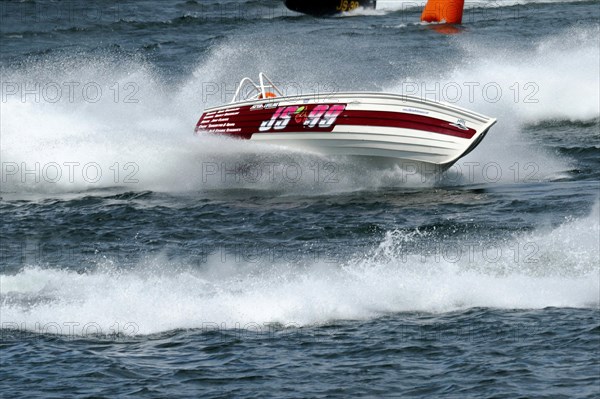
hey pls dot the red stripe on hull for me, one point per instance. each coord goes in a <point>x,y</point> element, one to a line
<point>404,121</point>
<point>242,122</point>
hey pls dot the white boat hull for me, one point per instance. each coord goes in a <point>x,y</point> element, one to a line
<point>375,125</point>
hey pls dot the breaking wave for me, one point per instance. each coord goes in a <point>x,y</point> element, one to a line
<point>547,268</point>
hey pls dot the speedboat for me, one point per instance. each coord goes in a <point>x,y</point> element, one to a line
<point>378,126</point>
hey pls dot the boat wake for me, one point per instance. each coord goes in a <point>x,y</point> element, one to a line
<point>546,268</point>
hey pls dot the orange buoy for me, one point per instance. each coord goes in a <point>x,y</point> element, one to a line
<point>449,11</point>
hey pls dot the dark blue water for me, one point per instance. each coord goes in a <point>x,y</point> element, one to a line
<point>138,259</point>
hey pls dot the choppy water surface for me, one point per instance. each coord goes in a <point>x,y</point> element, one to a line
<point>138,259</point>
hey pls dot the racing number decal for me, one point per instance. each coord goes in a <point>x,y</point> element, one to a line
<point>323,116</point>
<point>331,115</point>
<point>346,5</point>
<point>284,118</point>
<point>267,125</point>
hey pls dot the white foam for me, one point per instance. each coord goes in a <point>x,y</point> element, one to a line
<point>558,267</point>
<point>557,80</point>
